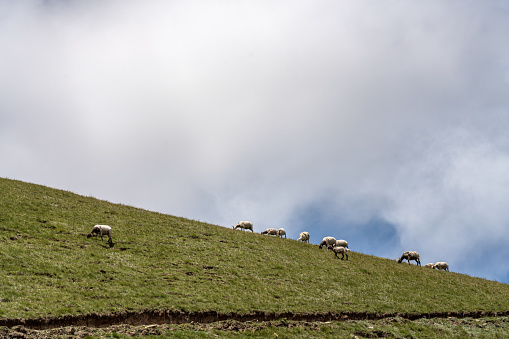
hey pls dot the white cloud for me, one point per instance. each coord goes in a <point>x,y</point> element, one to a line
<point>221,112</point>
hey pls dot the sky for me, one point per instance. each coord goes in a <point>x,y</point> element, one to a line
<point>380,122</point>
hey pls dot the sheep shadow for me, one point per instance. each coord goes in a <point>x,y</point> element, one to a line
<point>109,244</point>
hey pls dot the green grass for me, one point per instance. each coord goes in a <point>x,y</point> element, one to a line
<point>49,268</point>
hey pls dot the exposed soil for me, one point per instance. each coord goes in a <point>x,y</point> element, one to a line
<point>154,322</point>
<point>20,331</point>
<point>145,330</point>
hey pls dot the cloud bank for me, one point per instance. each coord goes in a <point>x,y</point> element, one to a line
<point>383,123</point>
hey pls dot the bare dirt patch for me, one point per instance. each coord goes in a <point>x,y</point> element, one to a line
<point>359,328</point>
<point>158,317</point>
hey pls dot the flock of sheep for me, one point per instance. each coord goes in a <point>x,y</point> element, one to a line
<point>412,255</point>
<point>337,246</point>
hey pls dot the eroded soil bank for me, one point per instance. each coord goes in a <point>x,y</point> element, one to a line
<point>390,327</point>
<point>158,317</point>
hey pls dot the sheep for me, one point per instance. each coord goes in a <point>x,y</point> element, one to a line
<point>441,265</point>
<point>244,225</point>
<point>304,237</point>
<point>339,249</point>
<point>327,241</point>
<point>410,255</point>
<point>429,265</point>
<point>342,243</point>
<point>101,230</point>
<point>270,231</point>
<point>281,232</point>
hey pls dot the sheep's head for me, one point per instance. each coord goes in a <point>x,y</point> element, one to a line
<point>89,235</point>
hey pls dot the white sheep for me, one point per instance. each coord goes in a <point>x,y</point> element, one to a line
<point>304,237</point>
<point>429,265</point>
<point>339,249</point>
<point>244,225</point>
<point>441,265</point>
<point>101,230</point>
<point>342,243</point>
<point>327,241</point>
<point>281,232</point>
<point>410,255</point>
<point>271,231</point>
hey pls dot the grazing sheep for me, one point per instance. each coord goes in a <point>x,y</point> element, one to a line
<point>281,232</point>
<point>304,237</point>
<point>327,241</point>
<point>244,225</point>
<point>271,231</point>
<point>410,255</point>
<point>342,243</point>
<point>339,249</point>
<point>441,265</point>
<point>429,265</point>
<point>101,230</point>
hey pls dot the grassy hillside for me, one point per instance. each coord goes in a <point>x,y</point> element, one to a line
<point>49,268</point>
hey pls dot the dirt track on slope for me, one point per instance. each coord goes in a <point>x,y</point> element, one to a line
<point>158,317</point>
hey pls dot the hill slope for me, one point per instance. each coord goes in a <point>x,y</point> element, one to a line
<point>49,268</point>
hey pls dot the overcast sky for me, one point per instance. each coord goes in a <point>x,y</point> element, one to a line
<point>381,122</point>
